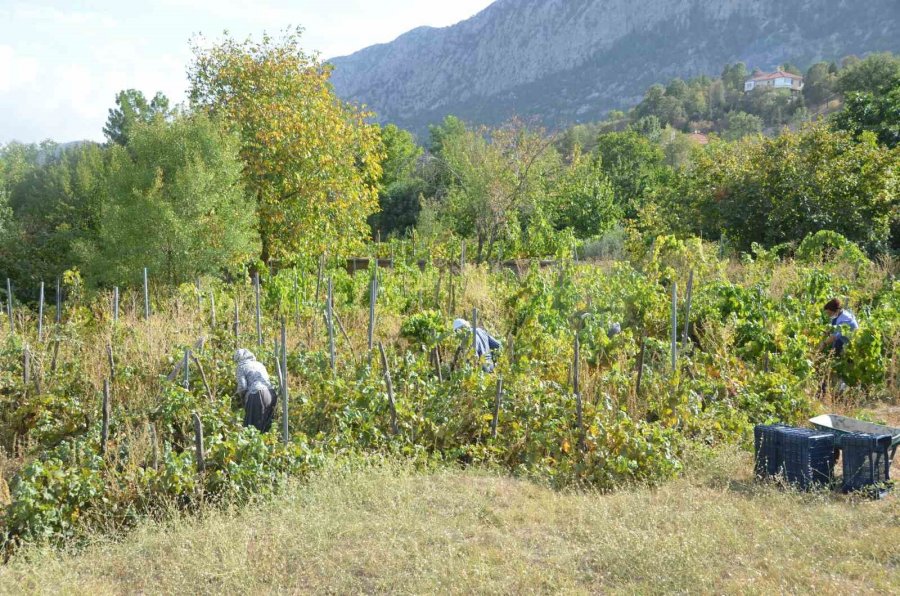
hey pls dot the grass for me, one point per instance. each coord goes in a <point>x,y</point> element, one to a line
<point>384,527</point>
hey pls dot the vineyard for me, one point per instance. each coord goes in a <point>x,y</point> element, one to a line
<point>109,416</point>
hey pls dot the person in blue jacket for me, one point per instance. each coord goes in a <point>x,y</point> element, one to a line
<point>841,319</point>
<point>485,345</point>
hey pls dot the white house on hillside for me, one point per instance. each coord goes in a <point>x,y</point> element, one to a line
<point>776,80</point>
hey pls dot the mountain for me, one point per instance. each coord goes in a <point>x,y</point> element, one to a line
<point>569,61</point>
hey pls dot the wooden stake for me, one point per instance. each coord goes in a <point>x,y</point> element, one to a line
<point>674,336</point>
<point>259,340</point>
<point>373,296</point>
<point>58,302</point>
<point>576,386</point>
<point>146,295</point>
<point>9,307</point>
<point>285,434</point>
<point>186,367</point>
<point>109,357</point>
<point>116,304</point>
<point>41,315</point>
<point>496,418</point>
<point>104,429</point>
<point>199,366</point>
<point>390,389</point>
<point>640,364</point>
<point>687,312</point>
<point>330,318</point>
<point>198,443</point>
<point>26,367</point>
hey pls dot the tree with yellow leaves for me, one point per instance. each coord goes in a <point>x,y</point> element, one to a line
<point>312,161</point>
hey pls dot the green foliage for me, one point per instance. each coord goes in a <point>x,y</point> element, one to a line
<point>741,124</point>
<point>133,108</point>
<point>875,74</point>
<point>175,204</point>
<point>584,199</point>
<point>424,328</point>
<point>877,113</point>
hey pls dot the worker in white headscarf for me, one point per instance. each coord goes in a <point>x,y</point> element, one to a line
<point>485,345</point>
<point>255,390</point>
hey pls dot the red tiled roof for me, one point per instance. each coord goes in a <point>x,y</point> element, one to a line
<point>766,76</point>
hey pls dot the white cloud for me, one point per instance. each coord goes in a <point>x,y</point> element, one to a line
<point>16,71</point>
<point>66,18</point>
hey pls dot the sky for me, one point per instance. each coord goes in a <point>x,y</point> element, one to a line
<point>63,61</point>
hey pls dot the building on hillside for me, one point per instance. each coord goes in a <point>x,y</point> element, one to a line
<point>775,80</point>
<point>699,138</point>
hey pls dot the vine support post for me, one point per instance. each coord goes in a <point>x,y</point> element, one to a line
<point>187,367</point>
<point>110,360</point>
<point>198,443</point>
<point>687,312</point>
<point>640,363</point>
<point>115,304</point>
<point>26,367</point>
<point>475,334</point>
<point>576,388</point>
<point>58,302</point>
<point>390,389</point>
<point>674,336</point>
<point>285,434</point>
<point>41,315</point>
<point>497,398</point>
<point>330,320</point>
<point>104,429</point>
<point>9,307</point>
<point>236,325</point>
<point>146,295</point>
<point>373,297</point>
<point>259,338</point>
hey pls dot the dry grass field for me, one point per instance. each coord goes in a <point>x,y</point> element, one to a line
<point>381,527</point>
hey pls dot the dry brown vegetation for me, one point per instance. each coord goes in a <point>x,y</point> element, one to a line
<point>383,527</point>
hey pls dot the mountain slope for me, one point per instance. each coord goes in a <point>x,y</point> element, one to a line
<point>566,61</point>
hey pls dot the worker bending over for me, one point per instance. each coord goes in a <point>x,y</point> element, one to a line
<point>255,391</point>
<point>485,345</point>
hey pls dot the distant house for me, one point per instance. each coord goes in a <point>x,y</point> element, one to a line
<point>776,80</point>
<point>699,137</point>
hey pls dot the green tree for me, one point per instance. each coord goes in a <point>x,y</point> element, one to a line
<point>583,198</point>
<point>879,114</point>
<point>741,124</point>
<point>401,185</point>
<point>774,190</point>
<point>311,161</point>
<point>876,73</point>
<point>635,167</point>
<point>132,107</point>
<point>819,84</point>
<point>175,204</point>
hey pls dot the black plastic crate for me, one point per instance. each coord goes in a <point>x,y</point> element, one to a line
<point>867,465</point>
<point>767,450</point>
<point>807,456</point>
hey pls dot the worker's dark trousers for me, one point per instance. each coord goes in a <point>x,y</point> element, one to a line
<point>258,410</point>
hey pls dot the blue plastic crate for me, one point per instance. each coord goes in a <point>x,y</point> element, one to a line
<point>866,463</point>
<point>807,456</point>
<point>767,450</point>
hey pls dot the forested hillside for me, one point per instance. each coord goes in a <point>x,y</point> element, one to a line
<point>570,61</point>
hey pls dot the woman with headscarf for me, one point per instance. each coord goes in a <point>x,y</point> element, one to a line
<point>255,390</point>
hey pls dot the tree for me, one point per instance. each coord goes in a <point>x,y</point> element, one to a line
<point>741,124</point>
<point>879,114</point>
<point>734,76</point>
<point>635,167</point>
<point>497,181</point>
<point>583,198</point>
<point>774,190</point>
<point>311,161</point>
<point>398,194</point>
<point>174,203</point>
<point>133,107</point>
<point>819,84</point>
<point>876,73</point>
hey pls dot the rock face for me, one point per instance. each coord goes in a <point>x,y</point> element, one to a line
<point>568,61</point>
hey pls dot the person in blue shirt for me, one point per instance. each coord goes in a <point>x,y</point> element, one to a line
<point>841,319</point>
<point>485,345</point>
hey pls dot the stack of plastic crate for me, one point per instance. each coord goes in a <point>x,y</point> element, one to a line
<point>807,457</point>
<point>867,465</point>
<point>767,449</point>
